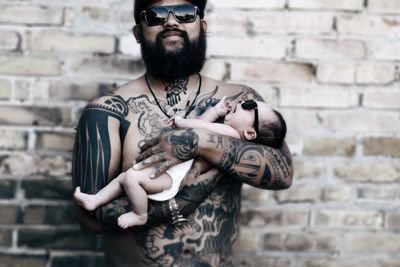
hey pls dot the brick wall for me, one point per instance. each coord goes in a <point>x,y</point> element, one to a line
<point>331,67</point>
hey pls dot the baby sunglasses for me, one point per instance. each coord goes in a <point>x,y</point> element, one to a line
<point>159,15</point>
<point>251,104</point>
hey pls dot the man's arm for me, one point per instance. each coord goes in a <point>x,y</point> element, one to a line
<point>252,163</point>
<point>97,157</point>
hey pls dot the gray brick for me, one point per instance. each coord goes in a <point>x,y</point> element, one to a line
<point>5,238</point>
<point>9,214</point>
<point>78,261</point>
<point>56,239</point>
<point>7,189</point>
<point>22,261</point>
<point>47,189</point>
<point>53,215</point>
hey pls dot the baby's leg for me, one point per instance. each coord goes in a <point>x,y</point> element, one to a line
<point>137,184</point>
<point>106,194</point>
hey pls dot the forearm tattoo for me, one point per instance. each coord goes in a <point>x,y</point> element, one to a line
<point>244,160</point>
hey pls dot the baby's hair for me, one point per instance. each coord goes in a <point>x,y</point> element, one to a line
<point>272,134</point>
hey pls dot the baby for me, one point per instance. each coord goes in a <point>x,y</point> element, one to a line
<point>250,120</point>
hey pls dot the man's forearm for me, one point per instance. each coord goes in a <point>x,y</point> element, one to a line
<point>252,163</point>
<point>188,199</point>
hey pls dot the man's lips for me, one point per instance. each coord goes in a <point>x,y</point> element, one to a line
<point>172,34</point>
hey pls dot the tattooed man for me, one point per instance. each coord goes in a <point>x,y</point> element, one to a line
<point>127,126</point>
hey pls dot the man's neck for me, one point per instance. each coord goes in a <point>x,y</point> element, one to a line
<point>176,90</point>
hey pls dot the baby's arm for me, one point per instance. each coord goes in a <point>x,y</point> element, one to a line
<point>217,111</point>
<point>217,128</point>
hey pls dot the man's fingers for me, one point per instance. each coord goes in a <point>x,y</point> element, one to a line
<point>149,144</point>
<point>162,168</point>
<point>149,161</point>
<point>148,153</point>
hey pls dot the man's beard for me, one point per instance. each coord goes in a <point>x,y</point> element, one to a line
<point>172,65</point>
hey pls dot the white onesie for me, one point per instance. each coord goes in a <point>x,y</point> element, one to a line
<point>177,173</point>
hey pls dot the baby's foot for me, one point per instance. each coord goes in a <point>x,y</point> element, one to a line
<point>131,219</point>
<point>85,200</point>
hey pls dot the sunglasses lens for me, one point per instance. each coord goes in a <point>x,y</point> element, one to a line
<point>185,13</point>
<point>156,16</point>
<point>249,104</point>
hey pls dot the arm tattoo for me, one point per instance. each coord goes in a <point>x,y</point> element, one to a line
<point>92,149</point>
<point>185,144</point>
<point>244,160</point>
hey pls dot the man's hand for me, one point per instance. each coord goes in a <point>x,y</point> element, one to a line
<point>171,148</point>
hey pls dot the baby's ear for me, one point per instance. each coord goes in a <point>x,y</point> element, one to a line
<point>250,134</point>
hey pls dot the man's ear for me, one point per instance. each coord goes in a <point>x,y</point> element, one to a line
<point>204,25</point>
<point>136,30</point>
<point>250,134</point>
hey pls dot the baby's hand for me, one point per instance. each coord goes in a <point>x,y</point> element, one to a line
<point>223,107</point>
<point>176,121</point>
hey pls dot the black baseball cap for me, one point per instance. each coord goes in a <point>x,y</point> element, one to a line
<point>140,5</point>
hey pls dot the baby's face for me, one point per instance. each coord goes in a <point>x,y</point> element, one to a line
<point>243,119</point>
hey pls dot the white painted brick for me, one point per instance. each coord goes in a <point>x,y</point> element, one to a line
<point>215,69</point>
<point>12,139</point>
<point>32,15</point>
<point>304,193</point>
<point>5,89</point>
<point>379,242</point>
<point>300,120</point>
<point>351,73</point>
<point>330,49</point>
<point>366,171</point>
<point>367,25</point>
<point>19,65</point>
<point>347,219</point>
<point>327,4</point>
<point>247,47</point>
<point>258,71</point>
<point>306,96</point>
<point>375,73</point>
<point>68,42</point>
<point>256,4</point>
<point>227,23</point>
<point>129,46</point>
<point>291,22</point>
<point>372,122</point>
<point>106,66</point>
<point>9,40</point>
<point>388,51</point>
<point>336,73</point>
<point>340,193</point>
<point>382,98</point>
<point>334,261</point>
<point>386,6</point>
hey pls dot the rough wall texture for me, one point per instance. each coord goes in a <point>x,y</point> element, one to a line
<point>331,66</point>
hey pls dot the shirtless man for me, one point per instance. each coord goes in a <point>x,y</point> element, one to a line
<point>115,130</point>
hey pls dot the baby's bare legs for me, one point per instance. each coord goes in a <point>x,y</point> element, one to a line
<point>92,201</point>
<point>137,184</point>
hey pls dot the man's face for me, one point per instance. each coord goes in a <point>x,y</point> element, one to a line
<point>172,32</point>
<point>173,50</point>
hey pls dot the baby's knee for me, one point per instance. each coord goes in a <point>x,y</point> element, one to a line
<point>130,178</point>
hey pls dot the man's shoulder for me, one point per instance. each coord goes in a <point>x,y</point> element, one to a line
<point>116,100</point>
<point>228,89</point>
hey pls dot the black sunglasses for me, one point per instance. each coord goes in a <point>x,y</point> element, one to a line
<point>251,104</point>
<point>159,15</point>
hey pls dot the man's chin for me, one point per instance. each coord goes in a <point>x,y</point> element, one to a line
<point>173,47</point>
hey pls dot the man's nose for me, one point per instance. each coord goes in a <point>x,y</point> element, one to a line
<point>171,21</point>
